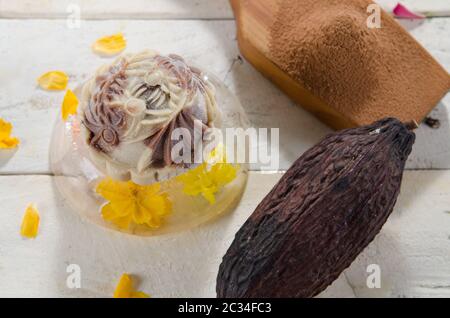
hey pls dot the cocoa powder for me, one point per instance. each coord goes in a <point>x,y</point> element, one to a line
<point>365,74</point>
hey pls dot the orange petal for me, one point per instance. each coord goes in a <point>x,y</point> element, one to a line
<point>5,129</point>
<point>53,81</point>
<point>125,289</point>
<point>30,222</point>
<point>110,214</point>
<point>6,141</point>
<point>69,105</point>
<point>110,45</point>
<point>9,143</point>
<point>218,155</point>
<point>154,209</point>
<point>112,190</point>
<point>209,194</point>
<point>223,173</point>
<point>208,182</point>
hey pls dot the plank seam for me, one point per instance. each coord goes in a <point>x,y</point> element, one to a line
<point>48,174</point>
<point>5,17</point>
<point>442,15</point>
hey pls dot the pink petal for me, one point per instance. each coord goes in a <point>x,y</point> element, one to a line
<point>400,11</point>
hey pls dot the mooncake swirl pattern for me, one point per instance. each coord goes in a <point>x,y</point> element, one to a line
<point>130,108</point>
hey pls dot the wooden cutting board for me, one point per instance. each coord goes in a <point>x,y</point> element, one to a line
<point>254,19</point>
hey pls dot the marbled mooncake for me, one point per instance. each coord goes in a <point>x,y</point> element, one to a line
<point>130,108</point>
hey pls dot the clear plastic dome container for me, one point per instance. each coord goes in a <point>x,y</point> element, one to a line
<point>104,181</point>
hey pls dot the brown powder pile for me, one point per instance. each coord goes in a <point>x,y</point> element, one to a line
<point>365,74</point>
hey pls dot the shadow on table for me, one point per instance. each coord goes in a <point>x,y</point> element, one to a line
<point>432,147</point>
<point>410,24</point>
<point>6,155</point>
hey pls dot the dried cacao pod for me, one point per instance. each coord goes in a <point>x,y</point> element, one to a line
<point>320,216</point>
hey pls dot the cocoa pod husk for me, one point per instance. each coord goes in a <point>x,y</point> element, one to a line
<point>320,216</point>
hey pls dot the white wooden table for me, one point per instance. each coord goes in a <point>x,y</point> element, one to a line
<point>413,249</point>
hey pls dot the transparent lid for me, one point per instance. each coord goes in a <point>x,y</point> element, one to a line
<point>146,152</point>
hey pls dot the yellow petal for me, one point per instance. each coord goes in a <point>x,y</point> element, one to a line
<point>123,208</point>
<point>149,190</point>
<point>5,129</point>
<point>141,215</point>
<point>129,202</point>
<point>218,155</point>
<point>113,190</point>
<point>209,195</point>
<point>53,81</point>
<point>30,222</point>
<point>156,207</point>
<point>223,173</point>
<point>208,182</point>
<point>159,204</point>
<point>110,214</point>
<point>110,45</point>
<point>6,141</point>
<point>125,289</point>
<point>193,179</point>
<point>69,105</point>
<point>9,143</point>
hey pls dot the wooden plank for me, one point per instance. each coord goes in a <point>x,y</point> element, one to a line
<point>210,43</point>
<point>54,46</point>
<point>412,249</point>
<point>412,243</point>
<point>104,9</point>
<point>164,9</point>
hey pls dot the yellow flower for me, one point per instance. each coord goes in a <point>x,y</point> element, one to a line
<point>125,289</point>
<point>129,202</point>
<point>69,105</point>
<point>30,222</point>
<point>110,45</point>
<point>209,178</point>
<point>208,181</point>
<point>6,141</point>
<point>218,155</point>
<point>53,81</point>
